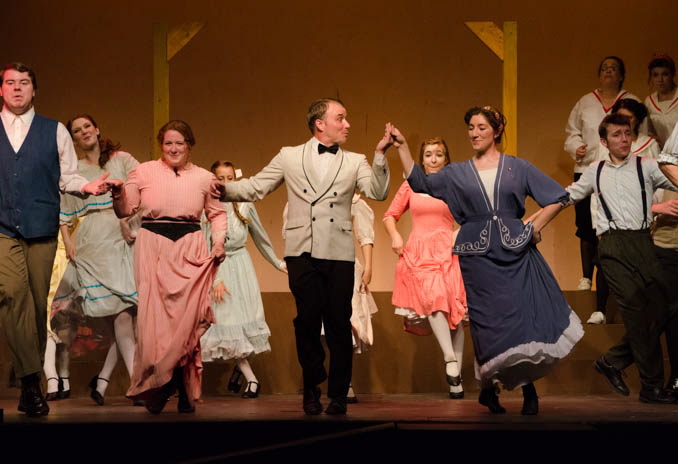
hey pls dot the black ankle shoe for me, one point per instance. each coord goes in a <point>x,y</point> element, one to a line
<point>672,386</point>
<point>612,374</point>
<point>184,405</point>
<point>235,382</point>
<point>457,395</point>
<point>488,397</point>
<point>157,403</point>
<point>453,381</point>
<point>530,400</point>
<point>31,401</point>
<point>51,396</point>
<point>656,395</point>
<point>337,406</point>
<point>251,392</point>
<point>97,397</point>
<point>311,401</point>
<point>63,394</point>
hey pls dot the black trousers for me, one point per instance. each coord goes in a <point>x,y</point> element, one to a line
<point>642,290</point>
<point>323,290</point>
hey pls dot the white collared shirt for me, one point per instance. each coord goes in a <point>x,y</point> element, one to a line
<point>70,181</point>
<point>621,190</point>
<point>321,162</point>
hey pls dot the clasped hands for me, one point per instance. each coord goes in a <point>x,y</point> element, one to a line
<point>392,136</point>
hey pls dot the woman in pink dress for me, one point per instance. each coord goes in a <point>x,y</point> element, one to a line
<point>428,288</point>
<point>173,269</point>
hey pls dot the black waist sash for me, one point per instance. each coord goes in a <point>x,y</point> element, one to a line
<point>173,230</point>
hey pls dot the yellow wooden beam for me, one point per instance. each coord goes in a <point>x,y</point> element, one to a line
<point>160,82</point>
<point>180,35</point>
<point>504,44</point>
<point>510,87</point>
<point>490,35</point>
<point>166,44</point>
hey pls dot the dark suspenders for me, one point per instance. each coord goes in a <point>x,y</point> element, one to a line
<point>639,170</point>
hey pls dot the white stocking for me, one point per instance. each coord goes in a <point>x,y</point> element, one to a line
<point>124,336</point>
<point>441,330</point>
<point>49,366</point>
<point>64,354</point>
<point>246,370</point>
<point>458,344</point>
<point>107,369</point>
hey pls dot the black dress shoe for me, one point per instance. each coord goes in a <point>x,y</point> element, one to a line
<point>97,397</point>
<point>157,402</point>
<point>63,394</point>
<point>488,397</point>
<point>235,382</point>
<point>251,391</point>
<point>311,401</point>
<point>612,374</point>
<point>31,401</point>
<point>351,400</point>
<point>657,395</point>
<point>337,406</point>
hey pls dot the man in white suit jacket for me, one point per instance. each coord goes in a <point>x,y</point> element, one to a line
<point>321,178</point>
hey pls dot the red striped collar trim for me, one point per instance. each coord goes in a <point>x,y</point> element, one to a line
<point>649,141</point>
<point>657,106</point>
<point>607,110</point>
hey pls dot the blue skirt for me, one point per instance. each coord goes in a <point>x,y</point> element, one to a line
<point>521,324</point>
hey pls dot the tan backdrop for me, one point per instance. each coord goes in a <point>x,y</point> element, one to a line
<point>245,81</point>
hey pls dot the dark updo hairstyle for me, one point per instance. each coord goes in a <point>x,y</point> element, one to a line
<point>493,116</point>
<point>638,110</point>
<point>228,164</point>
<point>615,119</point>
<point>434,141</point>
<point>106,146</point>
<point>180,126</point>
<point>661,61</point>
<point>622,67</point>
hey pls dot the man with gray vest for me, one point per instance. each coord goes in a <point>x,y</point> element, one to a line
<point>625,185</point>
<point>38,162</point>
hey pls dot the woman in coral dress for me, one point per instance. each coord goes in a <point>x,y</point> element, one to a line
<point>173,269</point>
<point>428,288</point>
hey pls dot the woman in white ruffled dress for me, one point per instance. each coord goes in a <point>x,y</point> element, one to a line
<point>240,330</point>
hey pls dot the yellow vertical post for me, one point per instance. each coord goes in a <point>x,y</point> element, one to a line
<point>504,44</point>
<point>510,87</point>
<point>160,81</point>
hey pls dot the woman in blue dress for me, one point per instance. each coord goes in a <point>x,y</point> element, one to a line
<point>521,324</point>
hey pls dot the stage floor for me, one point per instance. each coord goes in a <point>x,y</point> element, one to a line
<point>394,426</point>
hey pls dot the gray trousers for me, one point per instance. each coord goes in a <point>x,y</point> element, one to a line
<point>641,288</point>
<point>25,270</point>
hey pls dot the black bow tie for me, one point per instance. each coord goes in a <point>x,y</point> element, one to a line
<point>333,149</point>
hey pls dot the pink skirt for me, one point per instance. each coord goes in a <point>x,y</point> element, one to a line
<point>173,282</point>
<point>428,278</point>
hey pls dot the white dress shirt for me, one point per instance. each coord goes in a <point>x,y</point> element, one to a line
<point>17,126</point>
<point>321,161</point>
<point>621,191</point>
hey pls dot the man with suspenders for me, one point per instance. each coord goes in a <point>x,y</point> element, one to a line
<point>625,184</point>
